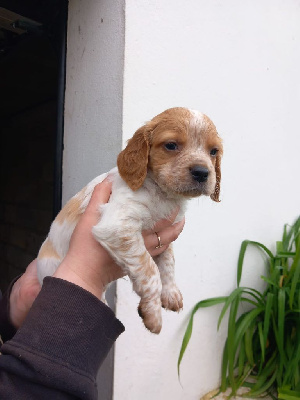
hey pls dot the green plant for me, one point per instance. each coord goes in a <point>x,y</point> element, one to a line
<point>262,349</point>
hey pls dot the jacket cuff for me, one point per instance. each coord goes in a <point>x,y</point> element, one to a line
<point>7,329</point>
<point>67,325</point>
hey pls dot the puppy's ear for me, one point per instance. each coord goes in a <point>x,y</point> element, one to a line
<point>216,194</point>
<point>133,160</point>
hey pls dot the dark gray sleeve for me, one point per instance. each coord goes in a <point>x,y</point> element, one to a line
<point>7,330</point>
<point>58,350</point>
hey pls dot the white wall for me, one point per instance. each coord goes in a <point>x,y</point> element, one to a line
<point>93,106</point>
<point>94,90</point>
<point>239,62</point>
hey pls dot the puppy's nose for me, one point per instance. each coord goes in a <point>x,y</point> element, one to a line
<point>200,174</point>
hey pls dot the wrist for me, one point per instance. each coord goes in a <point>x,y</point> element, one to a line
<point>7,326</point>
<point>13,315</point>
<point>68,273</point>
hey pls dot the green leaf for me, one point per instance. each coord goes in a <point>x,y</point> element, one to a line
<point>231,340</point>
<point>266,378</point>
<point>244,322</point>
<point>292,235</point>
<point>288,234</point>
<point>281,323</point>
<point>241,359</point>
<point>263,247</point>
<point>293,367</point>
<point>262,343</point>
<point>254,293</point>
<point>286,254</point>
<point>295,280</point>
<point>243,249</point>
<point>248,344</point>
<point>286,394</point>
<point>188,333</point>
<point>237,292</point>
<point>236,333</point>
<point>224,381</point>
<point>246,300</point>
<point>269,281</point>
<point>267,316</point>
<point>262,388</point>
<point>279,247</point>
<point>228,302</point>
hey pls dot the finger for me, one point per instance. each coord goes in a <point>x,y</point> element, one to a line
<point>167,236</point>
<point>171,233</point>
<point>31,270</point>
<point>101,195</point>
<point>157,251</point>
<point>163,223</point>
<point>82,236</point>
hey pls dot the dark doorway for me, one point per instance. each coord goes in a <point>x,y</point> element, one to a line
<point>32,78</point>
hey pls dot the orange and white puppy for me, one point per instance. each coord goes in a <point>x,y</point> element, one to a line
<point>174,157</point>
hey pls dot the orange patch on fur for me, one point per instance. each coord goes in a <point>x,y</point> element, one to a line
<point>47,250</point>
<point>132,161</point>
<point>126,244</point>
<point>71,211</point>
<point>144,282</point>
<point>212,138</point>
<point>176,117</point>
<point>146,265</point>
<point>172,126</point>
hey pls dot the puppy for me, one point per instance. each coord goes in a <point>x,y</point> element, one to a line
<point>172,158</point>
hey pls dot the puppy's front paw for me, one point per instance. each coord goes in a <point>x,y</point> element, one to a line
<point>151,315</point>
<point>171,298</point>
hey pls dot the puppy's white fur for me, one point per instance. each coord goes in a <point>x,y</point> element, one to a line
<point>149,183</point>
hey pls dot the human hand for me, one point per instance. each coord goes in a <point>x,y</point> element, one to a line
<point>23,294</point>
<point>167,232</point>
<point>87,264</point>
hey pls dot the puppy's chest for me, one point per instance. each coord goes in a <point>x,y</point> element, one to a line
<point>162,208</point>
<point>147,205</point>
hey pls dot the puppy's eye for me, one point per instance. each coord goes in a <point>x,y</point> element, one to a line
<point>214,152</point>
<point>171,146</point>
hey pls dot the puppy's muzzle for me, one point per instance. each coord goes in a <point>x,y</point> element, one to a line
<point>199,173</point>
